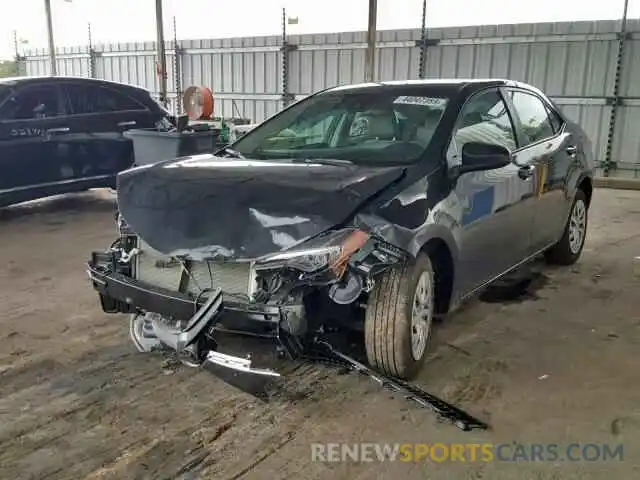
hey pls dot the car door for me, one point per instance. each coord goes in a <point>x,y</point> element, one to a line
<point>31,124</point>
<point>546,155</point>
<point>100,114</point>
<point>496,223</point>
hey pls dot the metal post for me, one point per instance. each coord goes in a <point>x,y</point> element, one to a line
<point>370,59</point>
<point>177,68</point>
<point>285,61</point>
<point>15,43</point>
<point>20,66</point>
<point>284,26</point>
<point>287,98</point>
<point>52,48</point>
<point>162,58</point>
<point>423,41</point>
<point>17,71</point>
<point>615,101</point>
<point>92,57</point>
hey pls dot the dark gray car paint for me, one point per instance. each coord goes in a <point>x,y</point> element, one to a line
<point>212,207</point>
<point>489,220</point>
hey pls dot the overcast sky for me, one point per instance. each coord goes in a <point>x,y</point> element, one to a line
<point>131,20</point>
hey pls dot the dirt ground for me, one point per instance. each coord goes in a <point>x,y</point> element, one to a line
<point>559,365</point>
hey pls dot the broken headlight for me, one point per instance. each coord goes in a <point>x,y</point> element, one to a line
<point>307,260</point>
<point>332,250</point>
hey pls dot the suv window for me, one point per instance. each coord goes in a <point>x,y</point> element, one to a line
<point>31,103</point>
<point>96,99</point>
<point>534,115</point>
<point>4,92</point>
<point>484,118</point>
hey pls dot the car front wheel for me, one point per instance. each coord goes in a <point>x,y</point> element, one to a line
<point>399,318</point>
<point>569,248</point>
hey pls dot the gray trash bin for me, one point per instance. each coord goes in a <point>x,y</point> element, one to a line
<point>152,146</point>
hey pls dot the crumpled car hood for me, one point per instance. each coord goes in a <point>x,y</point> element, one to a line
<point>212,207</point>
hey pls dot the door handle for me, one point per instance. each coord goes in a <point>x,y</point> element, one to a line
<point>571,150</point>
<point>526,171</point>
<point>54,131</point>
<point>127,124</point>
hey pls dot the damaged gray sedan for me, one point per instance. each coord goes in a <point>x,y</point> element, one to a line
<point>368,208</point>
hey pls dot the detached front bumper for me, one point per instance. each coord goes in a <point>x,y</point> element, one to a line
<point>122,294</point>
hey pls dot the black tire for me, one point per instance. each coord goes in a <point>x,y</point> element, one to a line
<point>566,252</point>
<point>388,319</point>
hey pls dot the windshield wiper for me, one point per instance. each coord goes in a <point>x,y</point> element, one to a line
<point>230,152</point>
<point>323,161</point>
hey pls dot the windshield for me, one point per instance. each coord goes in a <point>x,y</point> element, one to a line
<point>378,126</point>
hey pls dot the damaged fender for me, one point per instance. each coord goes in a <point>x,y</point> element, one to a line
<point>410,219</point>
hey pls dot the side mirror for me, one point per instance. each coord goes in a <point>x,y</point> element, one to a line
<point>477,156</point>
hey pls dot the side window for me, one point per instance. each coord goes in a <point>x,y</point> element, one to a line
<point>96,99</point>
<point>556,120</point>
<point>535,117</point>
<point>484,118</point>
<point>31,103</point>
<point>4,93</point>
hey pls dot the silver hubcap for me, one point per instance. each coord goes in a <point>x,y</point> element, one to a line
<point>421,315</point>
<point>577,226</point>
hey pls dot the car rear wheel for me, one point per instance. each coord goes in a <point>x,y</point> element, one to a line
<point>569,248</point>
<point>399,318</point>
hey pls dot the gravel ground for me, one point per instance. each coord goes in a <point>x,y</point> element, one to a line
<point>558,364</point>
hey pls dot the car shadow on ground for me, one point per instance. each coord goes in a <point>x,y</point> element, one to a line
<point>51,208</point>
<point>518,286</point>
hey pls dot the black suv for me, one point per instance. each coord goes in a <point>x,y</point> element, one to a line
<point>366,208</point>
<point>64,134</point>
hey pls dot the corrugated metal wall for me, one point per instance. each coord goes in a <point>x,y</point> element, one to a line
<point>575,63</point>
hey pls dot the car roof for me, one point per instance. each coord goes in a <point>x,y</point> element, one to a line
<point>445,85</point>
<point>19,81</point>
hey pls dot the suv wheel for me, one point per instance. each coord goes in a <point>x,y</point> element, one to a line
<point>569,248</point>
<point>399,318</point>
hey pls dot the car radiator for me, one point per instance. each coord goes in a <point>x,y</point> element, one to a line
<point>163,271</point>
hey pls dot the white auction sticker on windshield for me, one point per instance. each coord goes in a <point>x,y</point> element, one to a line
<point>430,101</point>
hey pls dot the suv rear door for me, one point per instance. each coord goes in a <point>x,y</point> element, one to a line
<point>100,113</point>
<point>31,122</point>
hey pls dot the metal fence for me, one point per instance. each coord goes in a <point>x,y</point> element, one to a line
<point>589,68</point>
